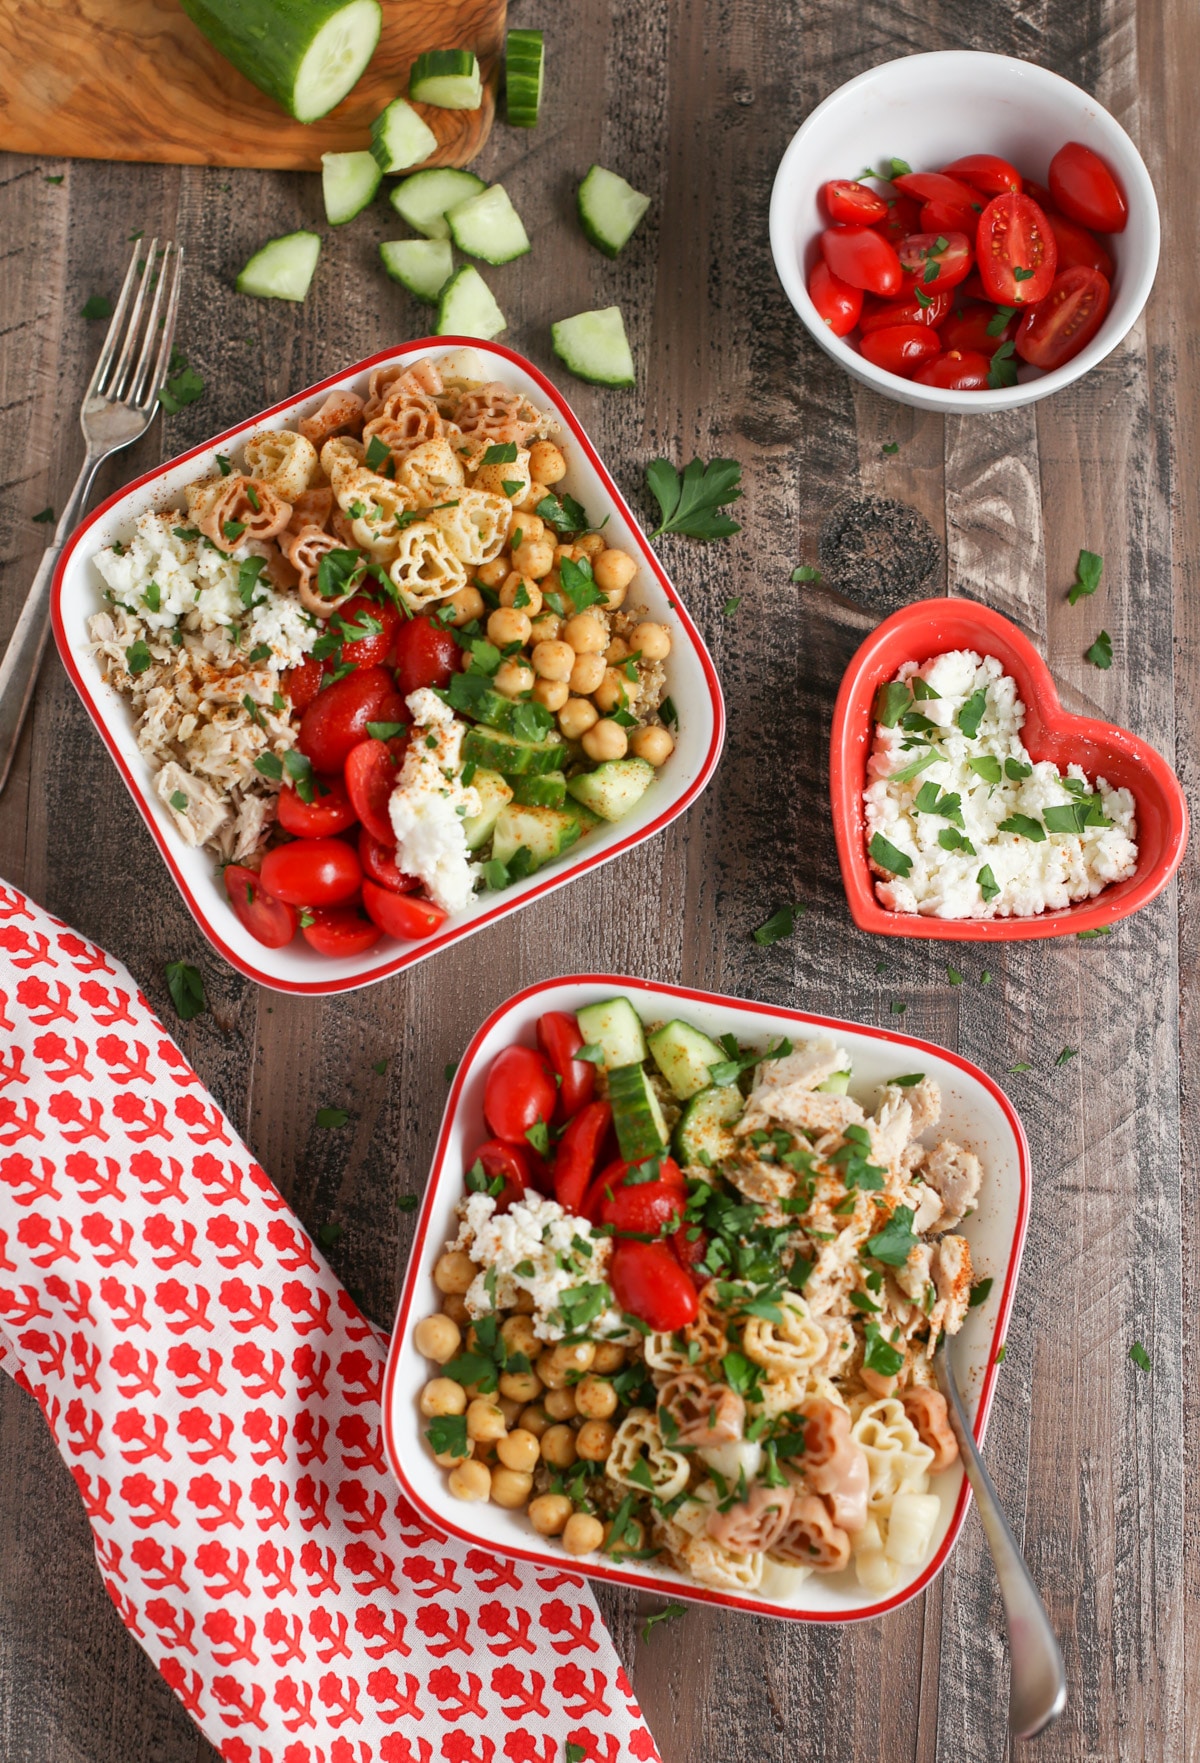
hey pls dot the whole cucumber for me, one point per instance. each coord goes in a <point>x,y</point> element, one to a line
<point>305,54</point>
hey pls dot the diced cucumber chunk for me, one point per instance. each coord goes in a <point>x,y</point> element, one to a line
<point>595,348</point>
<point>683,1054</point>
<point>609,209</point>
<point>348,182</point>
<point>306,54</point>
<point>703,1135</point>
<point>467,307</point>
<point>615,1027</point>
<point>614,788</point>
<point>492,748</point>
<point>837,1085</point>
<point>282,269</point>
<point>488,226</point>
<point>447,78</point>
<point>637,1116</point>
<point>423,266</point>
<point>524,67</point>
<point>494,794</point>
<point>545,833</point>
<point>400,138</point>
<point>422,199</point>
<point>587,820</point>
<point>548,791</point>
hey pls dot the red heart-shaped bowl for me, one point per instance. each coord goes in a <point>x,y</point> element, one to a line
<point>930,627</point>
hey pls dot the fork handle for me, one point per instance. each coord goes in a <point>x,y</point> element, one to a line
<point>26,646</point>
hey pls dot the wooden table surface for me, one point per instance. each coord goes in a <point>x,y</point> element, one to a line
<point>695,102</point>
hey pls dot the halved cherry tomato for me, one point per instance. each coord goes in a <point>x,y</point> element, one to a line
<point>312,872</point>
<point>362,612</point>
<point>269,921</point>
<point>507,1161</point>
<point>863,258</point>
<point>302,684</point>
<point>337,718</point>
<point>650,1209</point>
<point>1086,190</point>
<point>1017,253</point>
<point>648,1282</point>
<point>937,186</point>
<point>882,314</point>
<point>986,172</point>
<point>339,930</point>
<point>967,328</point>
<point>837,302</point>
<point>575,1158</point>
<point>379,864</point>
<point>1077,246</point>
<point>1058,327</point>
<point>401,915</point>
<point>1040,194</point>
<point>958,370</point>
<point>520,1090</point>
<point>935,260</point>
<point>901,349</point>
<point>559,1038</point>
<point>903,217</point>
<point>950,217</point>
<point>426,654</point>
<point>851,204</point>
<point>973,289</point>
<point>614,1176</point>
<point>370,773</point>
<point>329,812</point>
<point>690,1252</point>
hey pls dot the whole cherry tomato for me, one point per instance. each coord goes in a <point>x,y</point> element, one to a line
<point>653,1208</point>
<point>1059,326</point>
<point>862,258</point>
<point>851,204</point>
<point>520,1090</point>
<point>303,683</point>
<point>613,1177</point>
<point>426,654</point>
<point>370,772</point>
<point>967,328</point>
<point>575,1158</point>
<point>1086,190</point>
<point>649,1283</point>
<point>559,1038</point>
<point>339,931</point>
<point>329,812</point>
<point>901,349</point>
<point>957,370</point>
<point>507,1161</point>
<point>1077,246</point>
<point>929,309</point>
<point>379,865</point>
<point>937,186</point>
<point>401,915</point>
<point>378,621</point>
<point>903,217</point>
<point>837,302</point>
<point>337,718</point>
<point>986,172</point>
<point>935,260</point>
<point>312,872</point>
<point>270,922</point>
<point>1017,252</point>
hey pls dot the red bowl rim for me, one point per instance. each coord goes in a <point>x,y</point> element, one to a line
<point>643,1581</point>
<point>847,778</point>
<point>410,955</point>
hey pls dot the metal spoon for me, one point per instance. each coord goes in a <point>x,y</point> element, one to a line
<point>1038,1680</point>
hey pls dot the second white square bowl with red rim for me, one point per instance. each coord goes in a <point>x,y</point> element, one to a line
<point>975,1112</point>
<point>692,683</point>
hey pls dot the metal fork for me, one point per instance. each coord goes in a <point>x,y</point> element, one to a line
<point>118,407</point>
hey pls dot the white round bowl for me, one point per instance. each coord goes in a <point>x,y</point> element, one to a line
<point>929,110</point>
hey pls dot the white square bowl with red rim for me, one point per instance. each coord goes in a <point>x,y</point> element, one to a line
<point>691,680</point>
<point>975,1112</point>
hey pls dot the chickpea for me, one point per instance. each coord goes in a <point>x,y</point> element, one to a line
<point>510,1488</point>
<point>533,557</point>
<point>617,650</point>
<point>586,635</point>
<point>484,1451</point>
<point>607,740</point>
<point>454,1305</point>
<point>454,1271</point>
<point>510,1407</point>
<point>524,526</point>
<point>442,1395</point>
<point>552,1374</point>
<point>652,743</point>
<point>582,1534</point>
<point>472,1480</point>
<point>577,1357</point>
<point>654,641</point>
<point>519,1451</point>
<point>520,1387</point>
<point>508,625</point>
<point>437,1337</point>
<point>514,676</point>
<point>517,587</point>
<point>558,1447</point>
<point>609,1357</point>
<point>576,717</point>
<point>492,478</point>
<point>534,1419</point>
<point>549,1513</point>
<point>552,694</point>
<point>485,1420</point>
<point>614,598</point>
<point>633,1538</point>
<point>572,553</point>
<point>534,494</point>
<point>519,1336</point>
<point>591,544</point>
<point>594,1440</point>
<point>614,692</point>
<point>552,583</point>
<point>586,674</point>
<point>613,571</point>
<point>560,1404</point>
<point>467,604</point>
<point>493,573</point>
<point>523,1303</point>
<point>595,1397</point>
<point>547,463</point>
<point>553,660</point>
<point>452,1459</point>
<point>546,628</point>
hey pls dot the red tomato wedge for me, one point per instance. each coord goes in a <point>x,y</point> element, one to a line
<point>312,872</point>
<point>330,811</point>
<point>302,684</point>
<point>882,314</point>
<point>520,1090</point>
<point>967,328</point>
<point>935,261</point>
<point>653,1208</point>
<point>270,922</point>
<point>508,1162</point>
<point>340,930</point>
<point>337,718</point>
<point>1017,252</point>
<point>1086,190</point>
<point>958,370</point>
<point>851,204</point>
<point>559,1038</point>
<point>901,349</point>
<point>578,1149</point>
<point>648,1282</point>
<point>426,655</point>
<point>862,258</point>
<point>370,772</point>
<point>1077,247</point>
<point>986,172</point>
<point>401,915</point>
<point>837,302</point>
<point>903,217</point>
<point>936,186</point>
<point>379,865</point>
<point>1059,326</point>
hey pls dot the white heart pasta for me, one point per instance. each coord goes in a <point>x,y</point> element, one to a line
<point>476,526</point>
<point>791,1347</point>
<point>431,473</point>
<point>735,1570</point>
<point>510,479</point>
<point>424,568</point>
<point>638,1442</point>
<point>285,460</point>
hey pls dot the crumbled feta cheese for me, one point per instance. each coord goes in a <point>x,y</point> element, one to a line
<point>538,1248</point>
<point>429,804</point>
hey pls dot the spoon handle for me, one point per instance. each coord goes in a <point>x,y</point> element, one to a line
<point>1038,1680</point>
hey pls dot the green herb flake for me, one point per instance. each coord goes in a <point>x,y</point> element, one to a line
<point>1021,1067</point>
<point>1003,370</point>
<point>1088,568</point>
<point>895,1241</point>
<point>954,976</point>
<point>138,658</point>
<point>690,502</point>
<point>447,1435</point>
<point>979,1293</point>
<point>880,1355</point>
<point>183,386</point>
<point>988,886</point>
<point>891,703</point>
<point>96,307</point>
<point>386,731</point>
<point>1002,1354</point>
<point>971,714</point>
<point>667,713</point>
<point>731,605</point>
<point>179,801</point>
<point>377,455</point>
<point>502,453</point>
<point>782,923</point>
<point>1067,1054</point>
<point>1016,769</point>
<point>407,1202</point>
<point>1100,653</point>
<point>999,319</point>
<point>888,857</point>
<point>46,518</point>
<point>986,767</point>
<point>1140,1356</point>
<point>667,1614</point>
<point>186,986</point>
<point>909,1079</point>
<point>805,572</point>
<point>332,1117</point>
<point>1086,936</point>
<point>894,446</point>
<point>1025,827</point>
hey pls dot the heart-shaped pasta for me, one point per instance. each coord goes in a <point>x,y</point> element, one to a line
<point>665,1352</point>
<point>475,525</point>
<point>514,473</point>
<point>705,1336</point>
<point>312,508</point>
<point>791,1347</point>
<point>305,551</point>
<point>431,473</point>
<point>340,456</point>
<point>495,413</point>
<point>407,420</point>
<point>928,1413</point>
<point>283,459</point>
<point>639,1453</point>
<point>731,1569</point>
<point>424,375</point>
<point>787,1395</point>
<point>894,1452</point>
<point>424,567</point>
<point>232,510</point>
<point>700,1412</point>
<point>340,414</point>
<point>811,1538</point>
<point>756,1523</point>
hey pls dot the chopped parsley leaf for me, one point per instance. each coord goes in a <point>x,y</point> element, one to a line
<point>1067,1054</point>
<point>782,923</point>
<point>888,857</point>
<point>186,986</point>
<point>1088,569</point>
<point>979,1293</point>
<point>667,1614</point>
<point>1100,653</point>
<point>179,801</point>
<point>332,1117</point>
<point>1140,1356</point>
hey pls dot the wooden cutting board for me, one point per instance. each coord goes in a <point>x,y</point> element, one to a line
<point>135,79</point>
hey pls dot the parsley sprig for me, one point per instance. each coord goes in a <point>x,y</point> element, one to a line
<point>690,504</point>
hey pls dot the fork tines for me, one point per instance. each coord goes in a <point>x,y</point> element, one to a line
<point>129,372</point>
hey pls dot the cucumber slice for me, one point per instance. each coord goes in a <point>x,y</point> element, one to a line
<point>306,54</point>
<point>683,1054</point>
<point>545,833</point>
<point>548,791</point>
<point>614,787</point>
<point>587,820</point>
<point>703,1135</point>
<point>423,266</point>
<point>615,1027</point>
<point>595,348</point>
<point>494,794</point>
<point>348,182</point>
<point>524,67</point>
<point>400,138</point>
<point>609,209</point>
<point>492,748</point>
<point>488,226</point>
<point>837,1085</point>
<point>467,307</point>
<point>422,199</point>
<point>447,78</point>
<point>282,269</point>
<point>637,1117</point>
